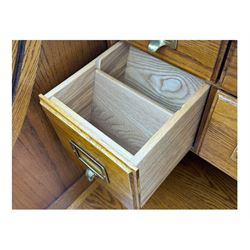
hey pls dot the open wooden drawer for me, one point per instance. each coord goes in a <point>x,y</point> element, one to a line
<point>129,117</point>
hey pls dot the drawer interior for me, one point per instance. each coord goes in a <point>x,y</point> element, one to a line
<point>121,113</point>
<point>126,96</point>
<point>168,85</point>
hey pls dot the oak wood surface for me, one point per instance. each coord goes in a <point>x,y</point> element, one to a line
<point>118,173</point>
<point>193,184</point>
<point>162,82</point>
<point>201,131</point>
<point>78,95</point>
<point>96,197</point>
<point>126,116</point>
<point>220,139</point>
<point>229,76</point>
<point>41,168</point>
<point>14,53</point>
<point>157,159</point>
<point>191,110</point>
<point>174,136</point>
<point>198,57</point>
<point>114,60</point>
<point>26,80</point>
<point>70,195</point>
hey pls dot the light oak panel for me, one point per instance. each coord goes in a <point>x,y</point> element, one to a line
<point>119,174</point>
<point>162,82</point>
<point>114,60</point>
<point>170,144</point>
<point>124,115</point>
<point>199,57</point>
<point>78,90</point>
<point>220,140</point>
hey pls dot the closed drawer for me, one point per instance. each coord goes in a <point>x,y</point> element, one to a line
<point>229,76</point>
<point>219,145</point>
<point>130,113</point>
<point>202,58</point>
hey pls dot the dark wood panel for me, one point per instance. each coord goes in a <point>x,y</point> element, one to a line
<point>193,184</point>
<point>41,168</point>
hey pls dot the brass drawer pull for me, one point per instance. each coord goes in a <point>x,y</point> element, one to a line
<point>94,168</point>
<point>234,154</point>
<point>154,45</point>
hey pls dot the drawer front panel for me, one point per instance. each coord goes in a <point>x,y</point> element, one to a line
<point>121,180</point>
<point>219,145</point>
<point>229,82</point>
<point>201,58</point>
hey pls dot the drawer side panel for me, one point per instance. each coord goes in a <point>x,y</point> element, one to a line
<point>174,141</point>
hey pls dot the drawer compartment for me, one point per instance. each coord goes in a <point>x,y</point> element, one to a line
<point>219,144</point>
<point>199,57</point>
<point>132,114</point>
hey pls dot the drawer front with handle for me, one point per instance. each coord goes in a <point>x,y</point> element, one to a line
<point>95,168</point>
<point>129,118</point>
<point>219,145</point>
<point>118,177</point>
<point>202,58</point>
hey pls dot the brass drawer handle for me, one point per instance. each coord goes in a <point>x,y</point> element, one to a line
<point>154,45</point>
<point>234,154</point>
<point>94,168</point>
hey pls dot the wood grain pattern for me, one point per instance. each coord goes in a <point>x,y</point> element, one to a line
<point>126,116</point>
<point>41,168</point>
<point>198,57</point>
<point>220,139</point>
<point>150,160</point>
<point>71,194</point>
<point>114,60</point>
<point>77,91</point>
<point>118,172</point>
<point>167,140</point>
<point>25,85</point>
<point>201,131</point>
<point>157,159</point>
<point>193,184</point>
<point>96,197</point>
<point>14,53</point>
<point>229,77</point>
<point>162,82</point>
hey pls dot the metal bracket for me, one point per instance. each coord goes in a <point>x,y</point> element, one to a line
<point>154,45</point>
<point>94,168</point>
